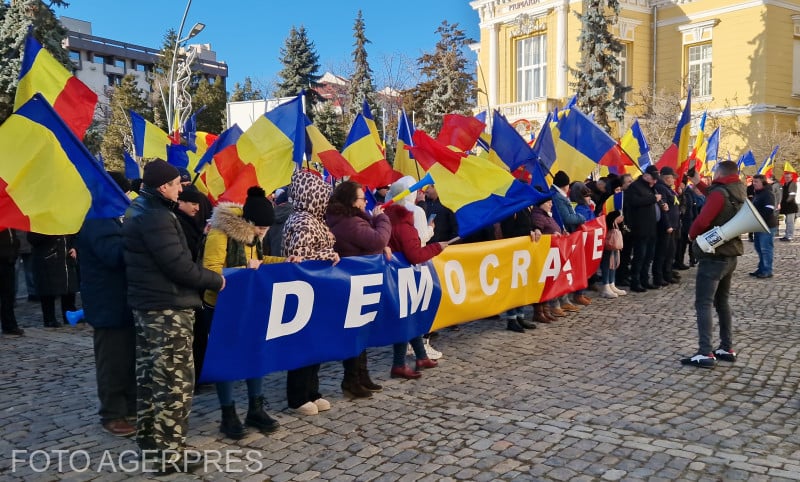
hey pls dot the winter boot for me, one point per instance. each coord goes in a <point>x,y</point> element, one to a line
<point>258,418</point>
<point>351,388</point>
<point>363,375</point>
<point>538,314</point>
<point>231,426</point>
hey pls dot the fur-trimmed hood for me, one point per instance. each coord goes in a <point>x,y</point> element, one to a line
<point>227,217</point>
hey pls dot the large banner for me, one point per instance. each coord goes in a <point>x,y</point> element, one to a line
<point>289,315</point>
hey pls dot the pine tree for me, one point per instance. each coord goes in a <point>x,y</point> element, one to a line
<point>159,78</point>
<point>451,87</point>
<point>211,98</point>
<point>14,21</point>
<point>127,96</point>
<point>300,68</point>
<point>246,91</point>
<point>361,86</point>
<point>598,88</point>
<point>330,124</point>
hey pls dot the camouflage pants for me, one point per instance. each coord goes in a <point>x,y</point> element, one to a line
<point>164,378</point>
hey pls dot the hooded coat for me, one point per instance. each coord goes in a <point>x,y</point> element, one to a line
<point>405,238</point>
<point>305,232</point>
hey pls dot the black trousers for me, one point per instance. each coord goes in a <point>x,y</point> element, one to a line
<point>115,361</point>
<point>302,385</point>
<point>202,328</point>
<point>49,307</point>
<point>8,320</point>
<point>664,257</point>
<point>624,269</point>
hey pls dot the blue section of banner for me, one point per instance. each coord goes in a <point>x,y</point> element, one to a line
<point>290,315</point>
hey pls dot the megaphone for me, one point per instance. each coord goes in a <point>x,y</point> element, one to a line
<point>73,317</point>
<point>747,220</point>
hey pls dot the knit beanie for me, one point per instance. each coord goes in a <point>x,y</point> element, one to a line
<point>158,172</point>
<point>257,208</point>
<point>561,179</point>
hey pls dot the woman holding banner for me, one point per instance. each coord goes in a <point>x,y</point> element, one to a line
<point>357,234</point>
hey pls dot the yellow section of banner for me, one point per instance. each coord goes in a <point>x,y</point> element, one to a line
<point>483,279</point>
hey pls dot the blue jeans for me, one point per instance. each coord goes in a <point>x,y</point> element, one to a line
<point>513,313</point>
<point>609,275</point>
<point>399,357</point>
<point>713,288</point>
<point>225,390</point>
<point>765,244</point>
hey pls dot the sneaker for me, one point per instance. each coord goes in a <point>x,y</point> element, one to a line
<point>764,275</point>
<point>322,404</point>
<point>119,427</point>
<point>432,352</point>
<point>755,273</point>
<point>618,291</point>
<point>725,355</point>
<point>700,360</point>
<point>308,408</point>
<point>785,240</point>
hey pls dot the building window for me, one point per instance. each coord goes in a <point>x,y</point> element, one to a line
<point>531,68</point>
<point>142,67</point>
<point>700,69</point>
<point>75,56</point>
<point>624,67</point>
<point>98,59</point>
<point>119,63</point>
<point>114,80</point>
<point>796,67</point>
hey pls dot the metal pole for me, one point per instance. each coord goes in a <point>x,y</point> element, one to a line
<point>171,101</point>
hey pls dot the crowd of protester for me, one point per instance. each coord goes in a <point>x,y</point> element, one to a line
<point>149,281</point>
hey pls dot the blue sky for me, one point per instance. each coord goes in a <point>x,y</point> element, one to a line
<point>248,34</point>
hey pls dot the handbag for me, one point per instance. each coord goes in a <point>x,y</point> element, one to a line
<point>613,239</point>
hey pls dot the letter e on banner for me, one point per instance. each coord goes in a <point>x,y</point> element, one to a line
<point>305,303</point>
<point>358,299</point>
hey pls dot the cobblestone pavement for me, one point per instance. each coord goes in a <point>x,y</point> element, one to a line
<point>597,396</point>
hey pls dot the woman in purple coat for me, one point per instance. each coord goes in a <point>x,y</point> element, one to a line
<point>357,233</point>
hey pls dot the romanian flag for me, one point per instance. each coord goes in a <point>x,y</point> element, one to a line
<point>508,146</point>
<point>321,153</point>
<point>149,140</point>
<point>49,182</point>
<point>41,72</point>
<point>635,146</point>
<point>460,131</point>
<point>769,163</point>
<point>697,157</point>
<point>373,128</point>
<point>481,193</point>
<point>366,157</point>
<point>210,176</point>
<point>485,139</point>
<point>613,203</point>
<point>543,156</point>
<point>266,154</point>
<point>677,153</point>
<point>582,145</point>
<point>747,159</point>
<point>404,161</point>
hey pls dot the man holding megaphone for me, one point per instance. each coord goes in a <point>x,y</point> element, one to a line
<point>724,198</point>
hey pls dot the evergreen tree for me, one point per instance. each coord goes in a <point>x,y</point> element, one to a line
<point>330,124</point>
<point>598,88</point>
<point>159,78</point>
<point>211,98</point>
<point>451,87</point>
<point>127,96</point>
<point>14,21</point>
<point>246,91</point>
<point>300,68</point>
<point>361,86</point>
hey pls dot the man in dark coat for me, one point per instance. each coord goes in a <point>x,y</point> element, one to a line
<point>163,290</point>
<point>668,229</point>
<point>789,204</point>
<point>724,198</point>
<point>9,248</point>
<point>445,226</point>
<point>103,294</point>
<point>642,215</point>
<point>764,202</point>
<point>55,273</point>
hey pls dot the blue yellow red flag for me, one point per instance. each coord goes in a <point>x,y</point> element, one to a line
<point>366,157</point>
<point>267,153</point>
<point>228,137</point>
<point>711,148</point>
<point>320,152</point>
<point>582,145</point>
<point>132,169</point>
<point>41,72</point>
<point>676,155</point>
<point>148,139</point>
<point>404,161</point>
<point>746,159</point>
<point>373,127</point>
<point>507,144</point>
<point>613,203</point>
<point>49,182</point>
<point>769,163</point>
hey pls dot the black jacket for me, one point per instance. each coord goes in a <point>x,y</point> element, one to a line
<point>640,208</point>
<point>764,202</point>
<point>445,226</point>
<point>789,198</point>
<point>9,245</point>
<point>102,262</point>
<point>671,218</point>
<point>55,272</point>
<point>518,224</point>
<point>192,231</point>
<point>159,266</point>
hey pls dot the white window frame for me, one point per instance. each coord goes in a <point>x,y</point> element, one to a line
<point>624,72</point>
<point>699,68</point>
<point>531,68</point>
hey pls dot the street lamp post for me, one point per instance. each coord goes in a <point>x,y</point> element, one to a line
<point>170,107</point>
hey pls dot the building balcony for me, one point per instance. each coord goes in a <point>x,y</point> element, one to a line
<point>531,110</point>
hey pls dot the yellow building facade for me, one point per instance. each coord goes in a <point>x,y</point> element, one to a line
<point>742,60</point>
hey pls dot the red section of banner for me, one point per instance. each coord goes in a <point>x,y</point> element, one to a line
<point>573,258</point>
